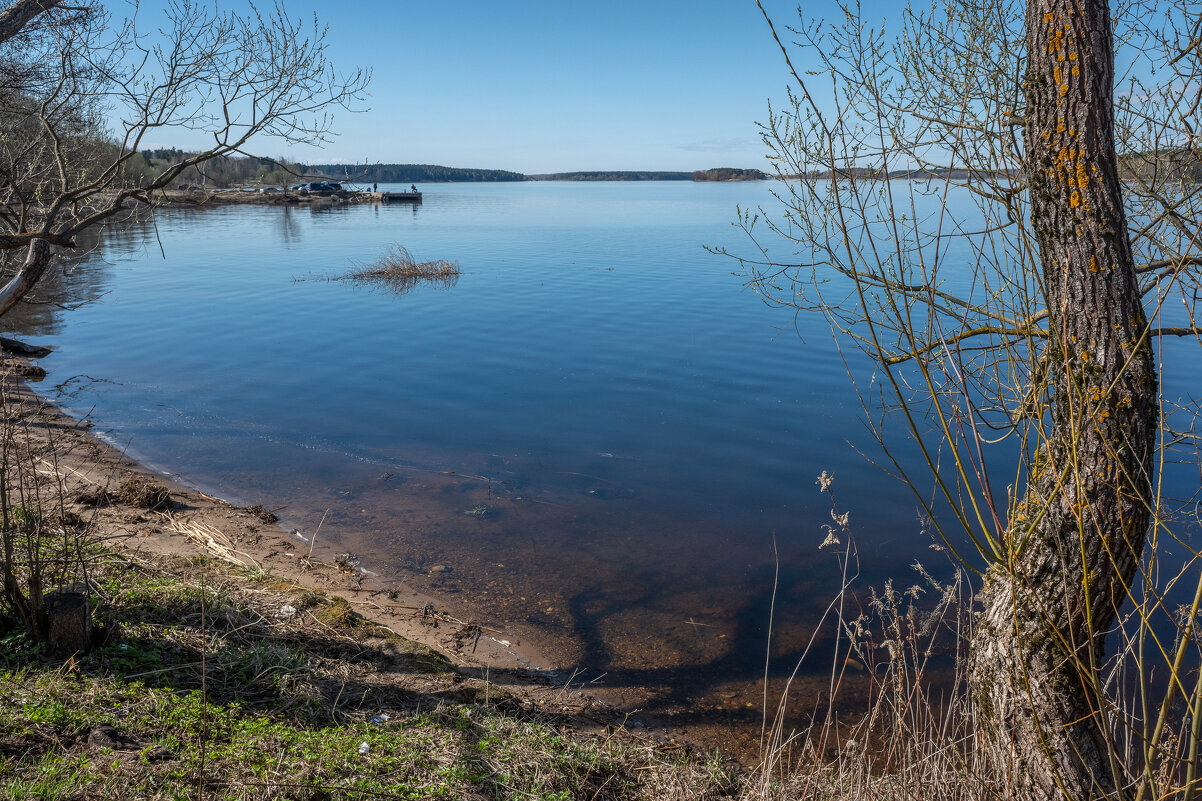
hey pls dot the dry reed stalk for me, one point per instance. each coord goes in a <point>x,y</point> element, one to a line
<point>398,271</point>
<point>907,744</point>
<point>212,540</point>
<point>313,539</point>
<point>398,262</point>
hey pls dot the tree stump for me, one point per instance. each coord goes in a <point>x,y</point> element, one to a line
<point>68,623</point>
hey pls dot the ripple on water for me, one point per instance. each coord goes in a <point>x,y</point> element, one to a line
<point>637,426</point>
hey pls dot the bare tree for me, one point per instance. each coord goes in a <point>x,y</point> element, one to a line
<point>976,205</point>
<point>79,95</point>
<point>71,68</point>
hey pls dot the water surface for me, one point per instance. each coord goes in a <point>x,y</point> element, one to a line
<point>608,440</point>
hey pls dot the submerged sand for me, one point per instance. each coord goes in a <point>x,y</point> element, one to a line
<point>196,523</point>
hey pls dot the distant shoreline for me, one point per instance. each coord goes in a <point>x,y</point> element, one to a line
<point>431,173</point>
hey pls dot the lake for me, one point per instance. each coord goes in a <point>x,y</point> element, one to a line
<point>608,440</point>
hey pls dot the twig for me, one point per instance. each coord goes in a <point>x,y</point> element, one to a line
<point>313,541</point>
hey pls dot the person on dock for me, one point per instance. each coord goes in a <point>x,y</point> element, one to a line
<point>375,187</point>
<point>413,188</point>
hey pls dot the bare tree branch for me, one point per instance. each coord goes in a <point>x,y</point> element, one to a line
<point>240,80</point>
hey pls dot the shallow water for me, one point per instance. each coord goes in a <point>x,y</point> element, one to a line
<point>606,437</point>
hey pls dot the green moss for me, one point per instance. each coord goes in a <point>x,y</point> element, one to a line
<point>336,612</point>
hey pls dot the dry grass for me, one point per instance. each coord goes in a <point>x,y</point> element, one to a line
<point>398,271</point>
<point>142,493</point>
<point>212,540</point>
<point>919,744</point>
<point>918,739</point>
<point>912,743</point>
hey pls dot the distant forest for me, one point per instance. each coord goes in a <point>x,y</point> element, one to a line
<point>923,174</point>
<point>611,175</point>
<point>219,172</point>
<point>227,172</point>
<point>716,174</point>
<point>1181,164</point>
<point>729,174</point>
<point>408,173</point>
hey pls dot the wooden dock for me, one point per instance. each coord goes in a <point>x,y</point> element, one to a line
<point>399,197</point>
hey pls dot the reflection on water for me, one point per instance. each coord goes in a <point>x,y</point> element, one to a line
<point>72,281</point>
<point>607,440</point>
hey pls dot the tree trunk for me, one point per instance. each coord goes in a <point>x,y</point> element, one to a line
<point>17,15</point>
<point>68,623</point>
<point>36,261</point>
<point>1075,540</point>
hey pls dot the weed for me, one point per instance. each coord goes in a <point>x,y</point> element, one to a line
<point>397,271</point>
<point>142,493</point>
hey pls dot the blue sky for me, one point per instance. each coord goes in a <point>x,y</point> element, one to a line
<point>553,86</point>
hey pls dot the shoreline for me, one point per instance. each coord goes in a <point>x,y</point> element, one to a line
<point>200,524</point>
<point>89,460</point>
<point>213,198</point>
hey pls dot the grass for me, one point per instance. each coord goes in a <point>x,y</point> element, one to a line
<point>212,696</point>
<point>922,739</point>
<point>204,687</point>
<point>210,690</point>
<point>913,743</point>
<point>398,271</point>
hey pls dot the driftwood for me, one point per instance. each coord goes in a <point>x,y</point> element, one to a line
<point>68,623</point>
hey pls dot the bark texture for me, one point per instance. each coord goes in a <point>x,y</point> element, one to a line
<point>1075,540</point>
<point>18,14</point>
<point>68,623</point>
<point>36,261</point>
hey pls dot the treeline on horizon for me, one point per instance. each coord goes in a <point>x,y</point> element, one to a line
<point>432,173</point>
<point>715,174</point>
<point>875,173</point>
<point>409,173</point>
<point>248,171</point>
<point>613,175</point>
<point>1180,165</point>
<point>222,171</point>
